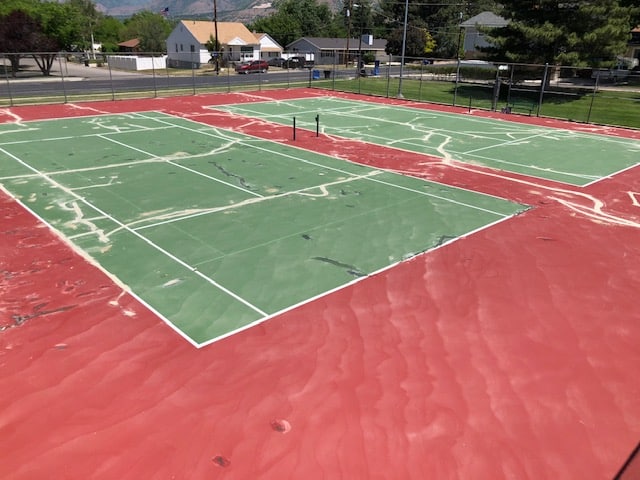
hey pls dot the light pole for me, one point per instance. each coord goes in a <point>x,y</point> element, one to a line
<point>404,47</point>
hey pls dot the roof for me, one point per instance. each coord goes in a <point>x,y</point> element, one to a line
<point>133,43</point>
<point>227,31</point>
<point>267,44</point>
<point>323,43</point>
<point>485,19</point>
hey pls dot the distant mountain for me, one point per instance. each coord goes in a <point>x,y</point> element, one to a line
<point>228,10</point>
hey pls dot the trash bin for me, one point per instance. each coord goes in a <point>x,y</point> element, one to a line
<point>376,68</point>
<point>327,74</point>
<point>316,75</point>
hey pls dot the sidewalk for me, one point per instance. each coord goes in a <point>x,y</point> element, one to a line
<point>70,71</point>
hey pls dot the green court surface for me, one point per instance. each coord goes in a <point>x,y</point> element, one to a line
<point>216,231</point>
<point>561,155</point>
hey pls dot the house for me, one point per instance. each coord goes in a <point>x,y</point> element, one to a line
<point>187,43</point>
<point>129,46</point>
<point>334,51</point>
<point>269,48</point>
<point>633,47</point>
<point>473,37</point>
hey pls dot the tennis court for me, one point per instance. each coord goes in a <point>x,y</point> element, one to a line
<point>561,155</point>
<point>367,312</point>
<point>226,230</point>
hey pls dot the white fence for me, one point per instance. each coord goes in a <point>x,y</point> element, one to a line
<point>133,62</point>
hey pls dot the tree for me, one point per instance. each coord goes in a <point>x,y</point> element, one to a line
<point>41,33</point>
<point>109,32</point>
<point>419,41</point>
<point>60,25</point>
<point>17,35</point>
<point>152,29</point>
<point>441,19</point>
<point>296,18</point>
<point>88,18</point>
<point>561,33</point>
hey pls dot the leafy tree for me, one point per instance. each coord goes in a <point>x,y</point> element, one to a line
<point>441,19</point>
<point>88,18</point>
<point>419,41</point>
<point>40,31</point>
<point>18,30</point>
<point>152,29</point>
<point>109,32</point>
<point>60,25</point>
<point>296,18</point>
<point>562,33</point>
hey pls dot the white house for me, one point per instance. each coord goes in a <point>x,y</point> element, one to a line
<point>473,37</point>
<point>269,48</point>
<point>186,44</point>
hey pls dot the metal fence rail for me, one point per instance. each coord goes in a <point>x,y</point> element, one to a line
<point>601,96</point>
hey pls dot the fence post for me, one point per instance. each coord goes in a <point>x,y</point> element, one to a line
<point>113,90</point>
<point>335,72</point>
<point>6,74</point>
<point>153,73</point>
<point>388,75</point>
<point>193,73</point>
<point>542,87</point>
<point>64,90</point>
<point>593,97</point>
<point>513,67</point>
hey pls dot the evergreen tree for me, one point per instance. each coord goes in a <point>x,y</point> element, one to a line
<point>578,33</point>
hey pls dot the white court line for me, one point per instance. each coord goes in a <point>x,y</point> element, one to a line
<point>264,315</point>
<point>240,142</point>
<point>487,121</point>
<point>350,283</point>
<point>509,127</point>
<point>541,132</point>
<point>186,168</point>
<point>536,168</point>
<point>253,201</point>
<point>140,236</point>
<point>86,135</point>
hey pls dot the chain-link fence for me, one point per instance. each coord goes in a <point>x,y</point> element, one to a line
<point>600,96</point>
<point>82,77</point>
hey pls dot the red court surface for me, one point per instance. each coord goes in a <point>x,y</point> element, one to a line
<point>512,353</point>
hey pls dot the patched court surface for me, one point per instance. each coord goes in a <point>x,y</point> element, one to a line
<point>192,288</point>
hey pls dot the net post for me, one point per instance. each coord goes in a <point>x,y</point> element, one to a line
<point>317,125</point>
<point>294,128</point>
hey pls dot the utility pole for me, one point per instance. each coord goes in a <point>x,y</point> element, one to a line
<point>455,90</point>
<point>215,30</point>
<point>346,55</point>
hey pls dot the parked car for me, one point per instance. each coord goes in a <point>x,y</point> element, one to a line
<point>252,66</point>
<point>277,62</point>
<point>297,62</point>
